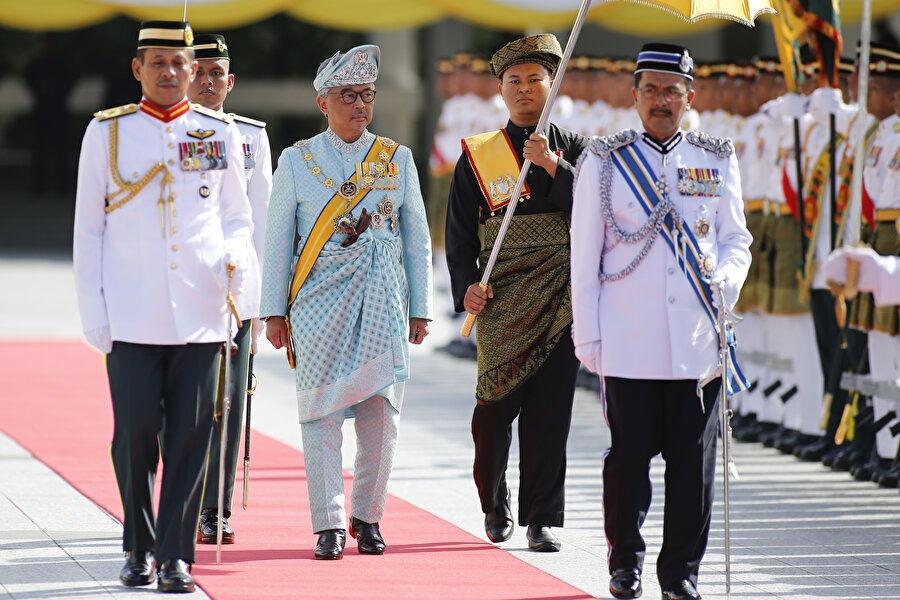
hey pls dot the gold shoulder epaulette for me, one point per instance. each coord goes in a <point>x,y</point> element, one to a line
<point>248,120</point>
<point>109,113</point>
<point>210,113</point>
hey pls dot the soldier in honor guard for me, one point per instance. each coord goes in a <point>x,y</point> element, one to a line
<point>526,361</point>
<point>881,211</point>
<point>211,85</point>
<point>347,299</point>
<point>823,230</point>
<point>161,211</point>
<point>658,236</point>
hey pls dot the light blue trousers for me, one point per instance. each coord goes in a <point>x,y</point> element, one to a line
<point>377,427</point>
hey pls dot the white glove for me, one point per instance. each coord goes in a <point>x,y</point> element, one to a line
<point>728,288</point>
<point>835,268</point>
<point>100,339</point>
<point>789,105</point>
<point>825,101</point>
<point>258,327</point>
<point>589,354</point>
<point>795,105</point>
<point>238,276</point>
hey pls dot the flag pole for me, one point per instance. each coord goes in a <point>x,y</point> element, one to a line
<point>526,165</point>
<point>865,41</point>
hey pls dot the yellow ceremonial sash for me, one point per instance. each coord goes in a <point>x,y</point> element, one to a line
<point>496,166</point>
<point>324,228</point>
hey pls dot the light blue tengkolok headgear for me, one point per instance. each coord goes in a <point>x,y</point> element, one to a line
<point>357,66</point>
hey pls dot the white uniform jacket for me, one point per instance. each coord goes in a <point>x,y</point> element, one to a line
<point>651,323</point>
<point>257,163</point>
<point>154,272</point>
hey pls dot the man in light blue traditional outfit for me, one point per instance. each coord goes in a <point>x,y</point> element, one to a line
<point>362,267</point>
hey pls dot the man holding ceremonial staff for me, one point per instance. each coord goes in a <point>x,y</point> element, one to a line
<point>526,361</point>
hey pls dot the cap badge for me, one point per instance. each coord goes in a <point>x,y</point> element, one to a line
<point>686,62</point>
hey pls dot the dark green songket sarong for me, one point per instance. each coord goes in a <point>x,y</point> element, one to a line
<point>532,304</point>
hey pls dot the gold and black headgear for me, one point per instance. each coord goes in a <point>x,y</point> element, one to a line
<point>165,34</point>
<point>542,49</point>
<point>210,46</point>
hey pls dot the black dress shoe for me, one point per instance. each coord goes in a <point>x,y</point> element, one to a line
<point>331,544</point>
<point>367,535</point>
<point>846,460</point>
<point>542,539</point>
<point>206,530</point>
<point>138,569</point>
<point>625,583</point>
<point>889,478</point>
<point>683,590</point>
<point>175,577</point>
<point>865,471</point>
<point>815,451</point>
<point>498,524</point>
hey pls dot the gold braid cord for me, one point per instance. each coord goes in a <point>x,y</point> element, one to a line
<point>131,189</point>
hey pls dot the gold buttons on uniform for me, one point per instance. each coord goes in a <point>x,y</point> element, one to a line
<point>169,129</point>
<point>174,248</point>
<point>202,175</point>
<point>172,266</point>
<point>171,162</point>
<point>135,175</point>
<point>171,145</point>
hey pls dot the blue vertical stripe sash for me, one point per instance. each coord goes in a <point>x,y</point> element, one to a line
<point>639,176</point>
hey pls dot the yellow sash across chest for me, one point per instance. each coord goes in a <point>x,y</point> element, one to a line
<point>323,228</point>
<point>496,166</point>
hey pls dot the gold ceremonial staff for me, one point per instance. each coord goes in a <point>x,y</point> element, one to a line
<point>526,165</point>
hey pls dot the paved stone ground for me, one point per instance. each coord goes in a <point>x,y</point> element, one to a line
<point>798,530</point>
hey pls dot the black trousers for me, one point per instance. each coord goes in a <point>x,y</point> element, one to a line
<point>240,365</point>
<point>646,418</point>
<point>543,405</point>
<point>828,331</point>
<point>163,398</point>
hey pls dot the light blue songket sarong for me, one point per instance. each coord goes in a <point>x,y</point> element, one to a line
<point>349,322</point>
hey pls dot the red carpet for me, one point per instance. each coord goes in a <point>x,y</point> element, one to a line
<point>55,403</point>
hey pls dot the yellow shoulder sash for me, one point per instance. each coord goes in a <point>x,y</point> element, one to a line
<point>382,150</point>
<point>496,166</point>
<point>324,226</point>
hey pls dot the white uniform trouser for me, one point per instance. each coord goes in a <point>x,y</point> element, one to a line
<point>781,350</point>
<point>803,412</point>
<point>377,427</point>
<point>751,342</point>
<point>884,364</point>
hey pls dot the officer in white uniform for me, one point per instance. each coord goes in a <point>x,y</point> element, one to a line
<point>881,207</point>
<point>210,87</point>
<point>639,322</point>
<point>161,209</point>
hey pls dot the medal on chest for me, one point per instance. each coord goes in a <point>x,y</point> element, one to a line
<point>699,182</point>
<point>202,156</point>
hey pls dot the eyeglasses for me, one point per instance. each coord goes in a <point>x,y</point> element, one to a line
<point>671,94</point>
<point>349,96</point>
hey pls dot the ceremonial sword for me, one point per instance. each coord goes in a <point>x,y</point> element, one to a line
<point>726,318</point>
<point>250,389</point>
<point>226,407</point>
<point>520,182</point>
